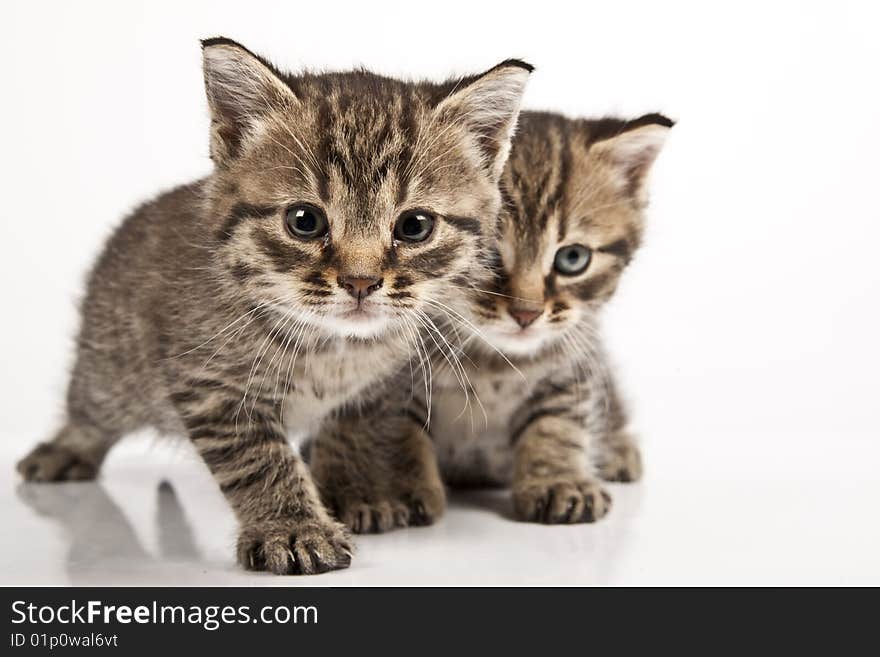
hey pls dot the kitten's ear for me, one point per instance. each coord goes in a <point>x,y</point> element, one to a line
<point>489,105</point>
<point>633,150</point>
<point>242,88</point>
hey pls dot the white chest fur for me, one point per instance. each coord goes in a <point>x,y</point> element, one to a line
<point>472,432</point>
<point>325,380</point>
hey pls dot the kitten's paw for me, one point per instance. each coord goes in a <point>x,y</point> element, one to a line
<point>560,501</point>
<point>426,504</point>
<point>417,508</point>
<point>294,548</point>
<point>54,462</point>
<point>622,462</point>
<point>373,517</point>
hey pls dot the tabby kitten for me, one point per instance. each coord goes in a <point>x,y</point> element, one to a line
<point>260,301</point>
<point>522,395</point>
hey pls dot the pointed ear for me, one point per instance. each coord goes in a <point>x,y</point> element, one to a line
<point>242,88</point>
<point>633,150</point>
<point>488,104</point>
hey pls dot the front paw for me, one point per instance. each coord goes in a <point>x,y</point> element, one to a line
<point>286,547</point>
<point>374,517</point>
<point>419,507</point>
<point>560,501</point>
<point>621,462</point>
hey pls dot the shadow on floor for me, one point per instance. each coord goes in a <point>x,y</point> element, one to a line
<point>100,536</point>
<point>103,546</point>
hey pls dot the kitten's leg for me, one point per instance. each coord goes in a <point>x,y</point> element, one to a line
<point>618,457</point>
<point>284,527</point>
<point>94,424</point>
<point>552,472</point>
<point>378,471</point>
<point>97,416</point>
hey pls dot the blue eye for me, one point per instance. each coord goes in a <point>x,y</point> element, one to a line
<point>572,259</point>
<point>306,222</point>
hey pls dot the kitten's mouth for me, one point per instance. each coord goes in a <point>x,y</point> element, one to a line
<point>527,333</point>
<point>359,314</point>
<point>357,320</point>
<point>519,341</point>
<point>360,310</point>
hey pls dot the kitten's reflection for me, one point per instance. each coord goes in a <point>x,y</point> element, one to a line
<point>103,542</point>
<point>104,548</point>
<point>596,553</point>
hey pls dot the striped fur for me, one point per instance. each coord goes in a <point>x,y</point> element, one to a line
<point>207,316</point>
<point>536,408</point>
<point>557,425</point>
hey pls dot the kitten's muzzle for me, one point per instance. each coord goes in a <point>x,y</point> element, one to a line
<point>359,287</point>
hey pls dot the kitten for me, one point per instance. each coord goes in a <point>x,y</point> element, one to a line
<point>521,393</point>
<point>261,301</point>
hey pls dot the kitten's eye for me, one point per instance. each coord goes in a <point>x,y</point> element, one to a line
<point>306,222</point>
<point>414,226</point>
<point>572,259</point>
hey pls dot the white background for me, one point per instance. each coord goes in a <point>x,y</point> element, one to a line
<point>745,332</point>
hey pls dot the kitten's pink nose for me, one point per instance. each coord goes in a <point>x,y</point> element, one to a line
<point>359,287</point>
<point>525,317</point>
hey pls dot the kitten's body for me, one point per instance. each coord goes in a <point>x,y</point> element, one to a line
<point>523,395</point>
<point>274,296</point>
<point>158,274</point>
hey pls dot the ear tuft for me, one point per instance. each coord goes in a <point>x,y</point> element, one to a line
<point>516,62</point>
<point>220,41</point>
<point>242,88</point>
<point>489,106</point>
<point>654,118</point>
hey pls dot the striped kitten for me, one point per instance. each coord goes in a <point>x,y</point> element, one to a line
<point>522,395</point>
<point>270,297</point>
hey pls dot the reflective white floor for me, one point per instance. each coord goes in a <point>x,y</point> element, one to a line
<point>776,523</point>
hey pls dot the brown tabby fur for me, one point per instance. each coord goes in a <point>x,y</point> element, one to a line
<point>535,408</point>
<point>205,316</point>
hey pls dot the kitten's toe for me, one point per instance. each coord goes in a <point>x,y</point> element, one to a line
<point>412,508</point>
<point>291,548</point>
<point>622,463</point>
<point>425,505</point>
<point>54,462</point>
<point>373,517</point>
<point>560,501</point>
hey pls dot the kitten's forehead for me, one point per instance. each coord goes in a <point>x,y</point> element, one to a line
<point>556,191</point>
<point>363,148</point>
<point>537,173</point>
<point>537,184</point>
<point>364,143</point>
